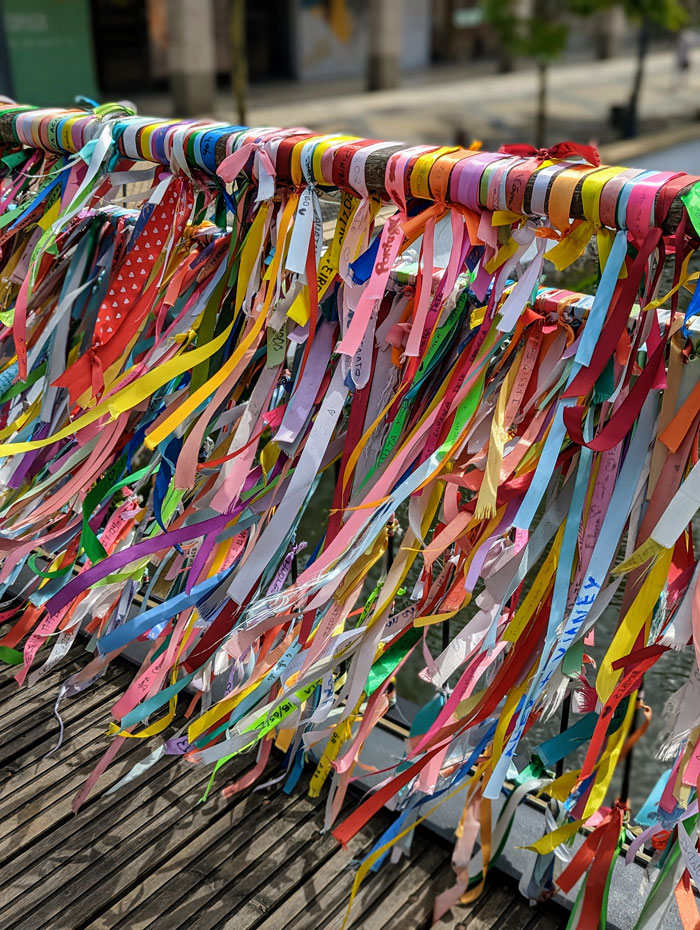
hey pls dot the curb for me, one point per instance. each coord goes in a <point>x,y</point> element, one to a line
<point>619,153</point>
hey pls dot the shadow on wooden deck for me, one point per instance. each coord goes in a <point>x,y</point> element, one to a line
<point>151,856</point>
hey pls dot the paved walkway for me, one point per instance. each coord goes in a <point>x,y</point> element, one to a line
<point>438,105</point>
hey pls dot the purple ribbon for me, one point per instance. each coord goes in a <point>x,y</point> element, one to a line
<point>117,561</point>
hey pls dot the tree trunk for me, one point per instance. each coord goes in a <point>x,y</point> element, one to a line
<point>631,122</point>
<point>541,116</point>
<point>191,56</point>
<point>384,53</point>
<point>239,59</point>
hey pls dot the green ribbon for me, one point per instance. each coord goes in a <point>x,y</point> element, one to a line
<point>388,661</point>
<point>10,656</point>
<point>691,199</point>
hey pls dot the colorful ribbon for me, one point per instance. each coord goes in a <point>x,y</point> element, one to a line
<point>228,377</point>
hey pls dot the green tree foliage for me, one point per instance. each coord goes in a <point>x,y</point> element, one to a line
<point>541,36</point>
<point>543,32</point>
<point>665,14</point>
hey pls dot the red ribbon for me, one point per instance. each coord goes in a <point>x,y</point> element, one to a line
<point>558,152</point>
<point>595,853</point>
<point>621,422</point>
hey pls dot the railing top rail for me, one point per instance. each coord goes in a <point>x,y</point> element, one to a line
<point>557,184</point>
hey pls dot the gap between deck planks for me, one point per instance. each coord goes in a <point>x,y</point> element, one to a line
<point>151,856</point>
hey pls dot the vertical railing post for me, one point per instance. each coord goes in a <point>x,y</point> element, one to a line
<point>563,725</point>
<point>627,767</point>
<point>390,530</point>
<point>445,634</point>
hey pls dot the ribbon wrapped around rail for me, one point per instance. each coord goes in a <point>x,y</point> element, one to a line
<point>237,364</point>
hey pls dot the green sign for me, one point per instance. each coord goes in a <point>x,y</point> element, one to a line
<point>49,43</point>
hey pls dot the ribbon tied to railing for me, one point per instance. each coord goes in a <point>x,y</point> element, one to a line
<point>312,416</point>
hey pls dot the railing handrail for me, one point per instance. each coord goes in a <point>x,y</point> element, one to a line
<point>66,131</point>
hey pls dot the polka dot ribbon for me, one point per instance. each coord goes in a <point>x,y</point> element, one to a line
<point>164,222</point>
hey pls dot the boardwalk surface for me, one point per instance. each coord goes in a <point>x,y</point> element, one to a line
<point>151,856</point>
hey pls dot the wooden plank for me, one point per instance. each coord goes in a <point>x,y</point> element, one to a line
<point>460,916</point>
<point>518,914</point>
<point>23,752</point>
<point>377,885</point>
<point>272,853</point>
<point>41,734</point>
<point>8,685</point>
<point>42,695</point>
<point>38,880</point>
<point>279,898</point>
<point>16,761</point>
<point>70,709</point>
<point>57,800</point>
<point>35,772</point>
<point>411,896</point>
<point>549,916</point>
<point>73,834</point>
<point>324,889</point>
<point>248,897</point>
<point>60,775</point>
<point>182,888</point>
<point>151,857</point>
<point>374,886</point>
<point>21,702</point>
<point>482,916</point>
<point>38,724</point>
<point>76,655</point>
<point>414,887</point>
<point>35,825</point>
<point>121,855</point>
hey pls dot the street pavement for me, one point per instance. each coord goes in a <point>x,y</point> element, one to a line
<point>459,104</point>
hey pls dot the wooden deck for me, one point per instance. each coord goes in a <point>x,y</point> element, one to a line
<point>151,856</point>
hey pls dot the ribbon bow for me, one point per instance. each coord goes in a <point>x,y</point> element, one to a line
<point>557,152</point>
<point>233,164</point>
